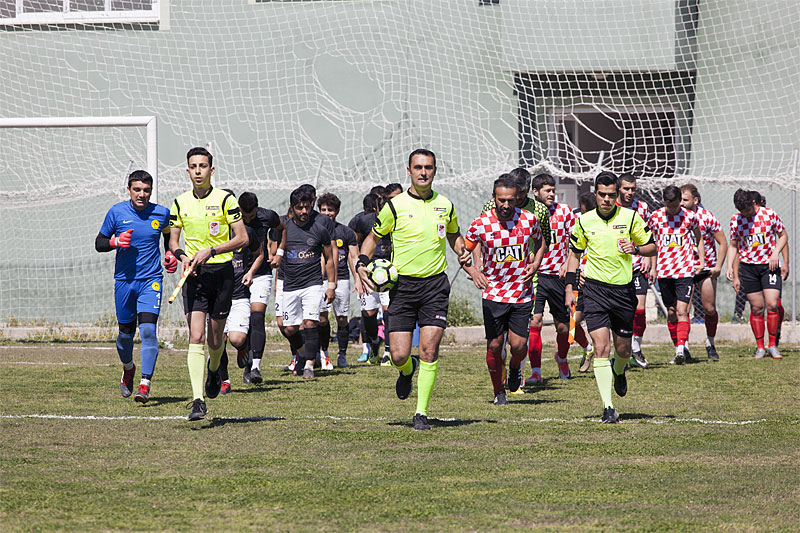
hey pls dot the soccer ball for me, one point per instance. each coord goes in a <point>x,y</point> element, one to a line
<point>383,274</point>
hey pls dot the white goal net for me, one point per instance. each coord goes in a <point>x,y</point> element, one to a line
<point>687,90</point>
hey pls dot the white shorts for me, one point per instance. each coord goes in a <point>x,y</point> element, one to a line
<point>341,303</point>
<point>239,317</point>
<point>259,290</point>
<point>302,304</point>
<point>374,300</point>
<point>278,297</point>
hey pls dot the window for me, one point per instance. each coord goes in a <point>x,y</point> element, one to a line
<point>21,12</point>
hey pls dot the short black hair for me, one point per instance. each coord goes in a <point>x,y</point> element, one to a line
<point>248,201</point>
<point>330,199</point>
<point>540,180</point>
<point>140,175</point>
<point>301,195</point>
<point>506,181</point>
<point>310,189</point>
<point>606,178</point>
<point>378,190</point>
<point>371,203</point>
<point>393,187</point>
<point>742,199</point>
<point>627,177</point>
<point>671,193</point>
<point>588,200</point>
<point>199,150</point>
<point>421,151</point>
<point>759,199</point>
<point>523,178</point>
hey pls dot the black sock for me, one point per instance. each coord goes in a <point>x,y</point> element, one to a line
<point>386,330</point>
<point>310,344</point>
<point>223,364</point>
<point>325,336</point>
<point>371,328</point>
<point>343,337</point>
<point>258,336</point>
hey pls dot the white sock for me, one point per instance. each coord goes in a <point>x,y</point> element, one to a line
<point>588,348</point>
<point>709,341</point>
<point>145,382</point>
<point>128,366</point>
<point>256,364</point>
<point>679,349</point>
<point>227,381</point>
<point>636,343</point>
<point>310,364</point>
<point>535,370</point>
<point>365,348</point>
<point>323,354</point>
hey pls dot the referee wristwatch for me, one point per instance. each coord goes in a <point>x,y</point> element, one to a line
<point>635,249</point>
<point>213,252</point>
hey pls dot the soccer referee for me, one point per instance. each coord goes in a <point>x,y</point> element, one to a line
<point>609,236</point>
<point>419,222</point>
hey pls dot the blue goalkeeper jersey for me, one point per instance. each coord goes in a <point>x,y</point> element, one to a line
<point>143,259</point>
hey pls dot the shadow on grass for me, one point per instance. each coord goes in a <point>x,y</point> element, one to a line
<point>435,422</point>
<point>530,401</point>
<point>218,421</point>
<point>642,416</point>
<point>165,400</point>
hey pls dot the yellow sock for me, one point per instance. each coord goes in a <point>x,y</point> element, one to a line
<point>216,356</point>
<point>406,368</point>
<point>196,360</point>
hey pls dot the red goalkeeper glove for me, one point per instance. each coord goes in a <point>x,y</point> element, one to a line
<point>121,241</point>
<point>170,262</point>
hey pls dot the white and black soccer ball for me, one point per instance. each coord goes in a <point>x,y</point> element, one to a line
<point>383,274</point>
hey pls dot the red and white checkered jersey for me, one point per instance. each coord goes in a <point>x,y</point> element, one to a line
<point>673,235</point>
<point>561,221</point>
<point>506,248</point>
<point>644,212</point>
<point>756,236</point>
<point>709,225</point>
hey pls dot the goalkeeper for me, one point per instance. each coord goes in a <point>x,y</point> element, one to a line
<point>133,228</point>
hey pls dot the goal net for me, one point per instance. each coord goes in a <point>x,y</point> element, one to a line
<point>671,90</point>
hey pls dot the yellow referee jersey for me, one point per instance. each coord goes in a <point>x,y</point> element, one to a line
<point>205,221</point>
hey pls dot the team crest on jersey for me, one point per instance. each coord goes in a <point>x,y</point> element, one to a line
<point>155,224</point>
<point>441,229</point>
<point>756,239</point>
<point>671,240</point>
<point>339,243</point>
<point>156,286</point>
<point>213,227</point>
<point>508,254</point>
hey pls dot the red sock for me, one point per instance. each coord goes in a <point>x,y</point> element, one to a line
<point>673,332</point>
<point>711,324</point>
<point>757,324</point>
<point>535,347</point>
<point>683,332</point>
<point>781,312</point>
<point>494,361</point>
<point>639,322</point>
<point>773,320</point>
<point>562,344</point>
<point>580,336</point>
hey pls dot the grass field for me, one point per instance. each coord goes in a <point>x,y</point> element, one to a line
<point>700,447</point>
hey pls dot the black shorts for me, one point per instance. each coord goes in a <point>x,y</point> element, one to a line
<point>500,317</point>
<point>756,278</point>
<point>419,300</point>
<point>579,301</point>
<point>609,306</point>
<point>551,289</point>
<point>705,274</point>
<point>210,291</point>
<point>674,290</point>
<point>640,283</point>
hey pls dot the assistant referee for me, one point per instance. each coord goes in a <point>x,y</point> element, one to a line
<point>419,221</point>
<point>609,236</point>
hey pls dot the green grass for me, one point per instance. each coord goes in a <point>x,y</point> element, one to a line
<point>338,453</point>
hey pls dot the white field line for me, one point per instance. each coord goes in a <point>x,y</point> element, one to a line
<point>44,363</point>
<point>381,419</point>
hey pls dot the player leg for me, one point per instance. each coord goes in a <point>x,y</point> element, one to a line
<point>707,287</point>
<point>771,282</point>
<point>535,341</point>
<point>310,299</point>
<point>552,289</point>
<point>386,359</point>
<point>750,285</point>
<point>148,306</point>
<point>495,319</point>
<point>683,292</point>
<point>237,326</point>
<point>640,285</point>
<point>341,307</point>
<point>196,306</point>
<point>324,333</point>
<point>292,334</point>
<point>670,298</point>
<point>125,303</point>
<point>598,322</point>
<point>219,309</point>
<point>369,315</point>
<point>257,338</point>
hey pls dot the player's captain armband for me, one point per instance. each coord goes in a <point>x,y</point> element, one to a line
<point>470,245</point>
<point>121,241</point>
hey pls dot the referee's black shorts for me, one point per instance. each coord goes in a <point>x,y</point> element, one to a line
<point>419,300</point>
<point>550,288</point>
<point>609,306</point>
<point>210,291</point>
<point>499,317</point>
<point>640,283</point>
<point>756,278</point>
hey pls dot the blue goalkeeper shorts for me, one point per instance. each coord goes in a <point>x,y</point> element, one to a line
<point>137,296</point>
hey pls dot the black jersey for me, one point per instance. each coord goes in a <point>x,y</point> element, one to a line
<point>345,238</point>
<point>301,259</point>
<point>266,220</point>
<point>362,224</point>
<point>242,261</point>
<point>276,235</point>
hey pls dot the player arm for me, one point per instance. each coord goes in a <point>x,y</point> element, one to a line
<point>352,262</point>
<point>701,249</point>
<point>571,278</point>
<point>102,243</point>
<point>722,243</point>
<point>774,260</point>
<point>785,255</point>
<point>472,269</point>
<point>330,270</point>
<point>732,271</point>
<point>456,241</point>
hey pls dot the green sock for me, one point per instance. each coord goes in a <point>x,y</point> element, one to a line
<point>216,356</point>
<point>406,368</point>
<point>425,383</point>
<point>605,380</point>
<point>620,364</point>
<point>196,360</point>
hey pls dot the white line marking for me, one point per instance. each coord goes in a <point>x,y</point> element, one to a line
<point>60,347</point>
<point>381,419</point>
<point>37,363</point>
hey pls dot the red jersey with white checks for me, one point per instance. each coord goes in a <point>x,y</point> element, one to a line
<point>756,236</point>
<point>673,235</point>
<point>506,248</point>
<point>561,220</point>
<point>709,225</point>
<point>644,212</point>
